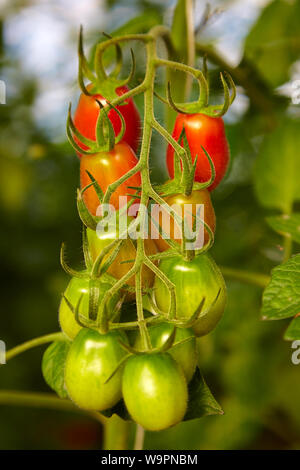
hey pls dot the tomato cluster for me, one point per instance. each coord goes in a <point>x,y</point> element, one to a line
<point>182,294</point>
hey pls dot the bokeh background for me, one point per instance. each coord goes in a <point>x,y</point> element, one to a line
<point>245,361</point>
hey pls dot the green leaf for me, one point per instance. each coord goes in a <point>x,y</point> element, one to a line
<point>277,168</point>
<point>286,225</point>
<point>53,365</point>
<point>273,43</point>
<point>293,330</point>
<point>201,401</point>
<point>281,298</point>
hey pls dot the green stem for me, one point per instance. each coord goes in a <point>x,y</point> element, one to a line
<point>116,434</point>
<point>33,343</point>
<point>287,248</point>
<point>44,400</point>
<point>257,279</point>
<point>139,438</point>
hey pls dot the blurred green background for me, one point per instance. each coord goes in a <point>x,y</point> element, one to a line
<point>245,361</point>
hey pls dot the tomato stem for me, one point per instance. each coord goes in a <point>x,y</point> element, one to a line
<point>33,343</point>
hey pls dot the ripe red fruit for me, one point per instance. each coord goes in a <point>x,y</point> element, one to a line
<point>202,131</point>
<point>87,112</point>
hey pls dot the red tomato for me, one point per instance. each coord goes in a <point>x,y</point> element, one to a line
<point>106,168</point>
<point>87,111</point>
<point>202,131</point>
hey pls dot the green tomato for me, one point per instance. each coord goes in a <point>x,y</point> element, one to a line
<point>77,287</point>
<point>193,281</point>
<point>154,390</point>
<point>184,354</point>
<point>92,358</point>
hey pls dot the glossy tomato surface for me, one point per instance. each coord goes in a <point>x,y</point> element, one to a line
<point>154,390</point>
<point>77,287</point>
<point>119,268</point>
<point>202,131</point>
<point>184,354</point>
<point>193,280</point>
<point>106,168</point>
<point>91,360</point>
<point>187,206</point>
<point>87,112</point>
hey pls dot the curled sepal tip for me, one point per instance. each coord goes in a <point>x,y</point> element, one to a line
<point>83,66</point>
<point>195,106</point>
<point>86,217</point>
<point>75,310</point>
<point>73,131</point>
<point>192,320</point>
<point>220,110</point>
<point>72,272</point>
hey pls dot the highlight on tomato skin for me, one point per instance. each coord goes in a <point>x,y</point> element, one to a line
<point>202,131</point>
<point>91,360</point>
<point>154,390</point>
<point>194,280</point>
<point>184,354</point>
<point>106,168</point>
<point>87,112</point>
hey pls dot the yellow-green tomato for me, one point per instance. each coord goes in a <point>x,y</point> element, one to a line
<point>193,280</point>
<point>184,354</point>
<point>92,358</point>
<point>77,287</point>
<point>154,390</point>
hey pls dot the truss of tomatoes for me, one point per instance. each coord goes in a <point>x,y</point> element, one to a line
<point>105,372</point>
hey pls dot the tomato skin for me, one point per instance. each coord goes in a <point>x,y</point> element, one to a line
<point>193,280</point>
<point>154,390</point>
<point>92,358</point>
<point>127,252</point>
<point>202,131</point>
<point>87,112</point>
<point>185,354</point>
<point>77,287</point>
<point>201,196</point>
<point>106,168</point>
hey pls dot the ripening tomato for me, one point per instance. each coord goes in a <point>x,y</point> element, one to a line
<point>91,359</point>
<point>87,112</point>
<point>187,207</point>
<point>184,354</point>
<point>202,131</point>
<point>154,390</point>
<point>76,287</point>
<point>193,281</point>
<point>98,241</point>
<point>106,168</point>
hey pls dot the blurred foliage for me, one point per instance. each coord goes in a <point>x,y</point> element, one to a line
<point>274,41</point>
<point>244,361</point>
